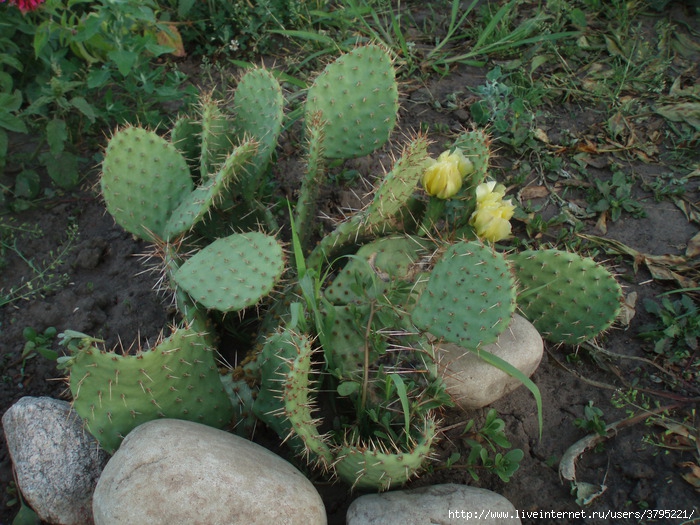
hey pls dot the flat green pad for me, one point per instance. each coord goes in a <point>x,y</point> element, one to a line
<point>470,296</point>
<point>114,393</point>
<point>144,178</point>
<point>568,298</point>
<point>357,97</point>
<point>369,271</point>
<point>234,272</point>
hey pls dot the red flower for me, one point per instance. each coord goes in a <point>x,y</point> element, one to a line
<point>26,5</point>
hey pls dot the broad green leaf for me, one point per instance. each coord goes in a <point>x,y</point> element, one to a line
<point>41,37</point>
<point>12,123</point>
<point>688,112</point>
<point>3,148</point>
<point>84,107</point>
<point>124,60</point>
<point>27,184</point>
<point>347,388</point>
<point>63,169</point>
<point>184,6</point>
<point>56,135</point>
<point>98,78</point>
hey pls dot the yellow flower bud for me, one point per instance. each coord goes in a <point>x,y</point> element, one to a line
<point>443,178</point>
<point>492,215</point>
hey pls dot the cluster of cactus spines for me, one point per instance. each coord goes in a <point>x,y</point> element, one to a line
<point>287,408</point>
<point>314,176</point>
<point>357,98</point>
<point>273,365</point>
<point>234,272</point>
<point>376,466</point>
<point>286,361</point>
<point>115,392</point>
<point>568,298</point>
<point>397,186</point>
<point>470,296</point>
<point>144,179</point>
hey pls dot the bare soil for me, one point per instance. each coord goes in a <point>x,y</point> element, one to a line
<point>108,295</point>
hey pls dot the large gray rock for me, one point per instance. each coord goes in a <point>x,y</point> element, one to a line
<point>174,472</point>
<point>473,383</point>
<point>56,460</point>
<point>445,504</point>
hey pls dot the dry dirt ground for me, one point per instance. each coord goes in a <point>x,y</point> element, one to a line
<point>106,294</point>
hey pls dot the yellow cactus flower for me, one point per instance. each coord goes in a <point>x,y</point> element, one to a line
<point>492,215</point>
<point>443,178</point>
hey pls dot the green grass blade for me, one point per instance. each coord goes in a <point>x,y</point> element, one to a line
<point>509,369</point>
<point>403,397</point>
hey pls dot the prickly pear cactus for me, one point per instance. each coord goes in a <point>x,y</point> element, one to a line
<point>476,146</point>
<point>371,466</point>
<point>470,296</point>
<point>357,99</point>
<point>144,179</point>
<point>285,362</point>
<point>234,272</point>
<point>568,298</point>
<point>198,203</point>
<point>259,113</point>
<point>114,392</point>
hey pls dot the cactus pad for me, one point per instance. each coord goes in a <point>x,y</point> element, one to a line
<point>398,185</point>
<point>475,145</point>
<point>568,298</point>
<point>470,296</point>
<point>368,467</point>
<point>234,272</point>
<point>178,378</point>
<point>376,263</point>
<point>144,178</point>
<point>200,201</point>
<point>357,97</point>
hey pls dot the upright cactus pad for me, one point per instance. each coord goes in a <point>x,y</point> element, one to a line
<point>259,109</point>
<point>475,145</point>
<point>144,178</point>
<point>357,97</point>
<point>234,272</point>
<point>398,185</point>
<point>259,112</point>
<point>470,296</point>
<point>178,378</point>
<point>216,139</point>
<point>568,298</point>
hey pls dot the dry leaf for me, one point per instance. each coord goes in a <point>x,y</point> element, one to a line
<point>533,192</point>
<point>688,112</point>
<point>172,38</point>
<point>541,135</point>
<point>693,248</point>
<point>628,311</point>
<point>692,477</point>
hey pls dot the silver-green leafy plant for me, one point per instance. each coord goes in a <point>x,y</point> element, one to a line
<point>344,366</point>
